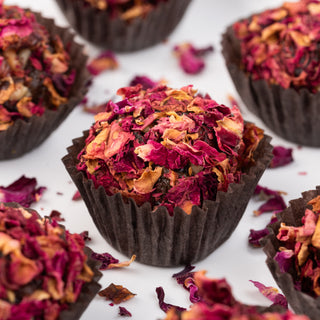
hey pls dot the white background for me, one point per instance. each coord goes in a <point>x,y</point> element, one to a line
<point>203,25</point>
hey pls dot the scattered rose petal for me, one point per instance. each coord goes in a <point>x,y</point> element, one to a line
<point>116,293</point>
<point>272,294</point>
<point>273,204</point>
<point>256,235</point>
<point>76,196</point>
<point>190,58</point>
<point>265,193</point>
<point>281,156</point>
<point>121,264</point>
<point>145,81</point>
<point>185,278</point>
<point>56,215</point>
<point>23,191</point>
<point>302,173</point>
<point>105,258</point>
<point>273,200</point>
<point>124,312</point>
<point>109,262</point>
<point>85,235</point>
<point>105,61</point>
<point>163,305</point>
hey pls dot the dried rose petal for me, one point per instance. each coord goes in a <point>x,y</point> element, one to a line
<point>281,156</point>
<point>190,58</point>
<point>273,204</point>
<point>76,196</point>
<point>182,275</point>
<point>145,81</point>
<point>22,191</point>
<point>116,293</point>
<point>256,235</point>
<point>85,235</point>
<point>265,193</point>
<point>109,262</point>
<point>272,294</point>
<point>284,259</point>
<point>105,258</point>
<point>163,305</point>
<point>185,278</point>
<point>273,200</point>
<point>104,61</point>
<point>213,291</point>
<point>56,215</point>
<point>123,312</point>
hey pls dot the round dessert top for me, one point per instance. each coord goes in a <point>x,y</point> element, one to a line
<point>34,67</point>
<point>169,147</point>
<point>213,299</point>
<point>299,249</point>
<point>125,9</point>
<point>282,45</point>
<point>43,266</point>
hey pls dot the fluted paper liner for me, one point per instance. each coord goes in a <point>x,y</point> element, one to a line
<point>25,135</point>
<point>157,238</point>
<point>300,302</point>
<point>88,290</point>
<point>116,34</point>
<point>292,115</point>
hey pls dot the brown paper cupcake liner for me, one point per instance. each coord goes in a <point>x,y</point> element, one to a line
<point>157,238</point>
<point>25,135</point>
<point>299,301</point>
<point>292,115</point>
<point>88,290</point>
<point>116,34</point>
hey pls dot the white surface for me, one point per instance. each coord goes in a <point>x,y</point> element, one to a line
<point>203,24</point>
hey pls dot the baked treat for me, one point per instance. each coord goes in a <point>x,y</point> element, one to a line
<point>166,174</point>
<point>124,25</point>
<point>214,300</point>
<point>292,250</point>
<point>272,58</point>
<point>46,271</point>
<point>43,77</point>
